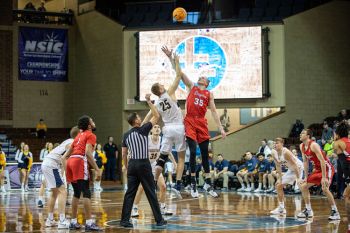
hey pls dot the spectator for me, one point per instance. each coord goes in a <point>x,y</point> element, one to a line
<point>261,170</point>
<point>2,169</point>
<point>268,176</point>
<point>296,129</point>
<point>41,129</point>
<point>43,151</point>
<point>221,171</point>
<point>327,134</point>
<point>29,7</point>
<point>225,121</point>
<point>19,150</point>
<point>246,171</point>
<point>328,147</point>
<point>263,146</point>
<point>343,115</point>
<point>111,151</point>
<point>100,159</point>
<point>42,7</point>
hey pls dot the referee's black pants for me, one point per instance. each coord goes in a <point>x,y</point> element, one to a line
<point>140,171</point>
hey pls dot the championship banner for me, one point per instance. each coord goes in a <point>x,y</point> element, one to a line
<point>43,54</point>
<point>12,176</point>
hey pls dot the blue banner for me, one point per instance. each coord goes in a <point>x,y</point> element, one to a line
<point>43,54</point>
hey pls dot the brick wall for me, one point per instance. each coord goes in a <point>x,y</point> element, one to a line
<point>6,86</point>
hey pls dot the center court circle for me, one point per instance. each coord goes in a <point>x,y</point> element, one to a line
<point>216,223</point>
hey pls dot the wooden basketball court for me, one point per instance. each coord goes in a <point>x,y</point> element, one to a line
<point>231,212</point>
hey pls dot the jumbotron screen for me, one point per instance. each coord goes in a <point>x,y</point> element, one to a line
<point>231,58</point>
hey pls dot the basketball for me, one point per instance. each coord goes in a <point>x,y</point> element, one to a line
<point>179,14</point>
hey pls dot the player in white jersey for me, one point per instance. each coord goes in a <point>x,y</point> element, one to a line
<point>174,129</point>
<point>51,168</point>
<point>295,170</point>
<point>43,154</point>
<point>154,141</point>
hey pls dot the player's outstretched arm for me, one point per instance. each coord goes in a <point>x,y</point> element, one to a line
<point>169,53</point>
<point>147,118</point>
<point>154,112</point>
<point>215,115</point>
<point>175,84</point>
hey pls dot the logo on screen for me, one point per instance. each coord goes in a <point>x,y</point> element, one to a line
<point>202,56</point>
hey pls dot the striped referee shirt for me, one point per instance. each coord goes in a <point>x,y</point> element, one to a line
<point>136,140</point>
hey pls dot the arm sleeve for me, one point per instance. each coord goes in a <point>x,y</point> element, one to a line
<point>146,128</point>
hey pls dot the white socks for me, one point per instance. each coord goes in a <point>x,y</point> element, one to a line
<point>62,217</point>
<point>89,221</point>
<point>51,216</point>
<point>308,206</point>
<point>281,205</point>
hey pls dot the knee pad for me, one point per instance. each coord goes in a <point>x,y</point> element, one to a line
<point>161,160</point>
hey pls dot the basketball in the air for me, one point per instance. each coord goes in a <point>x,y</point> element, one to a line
<point>179,14</point>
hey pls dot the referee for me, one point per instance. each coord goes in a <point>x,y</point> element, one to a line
<point>139,169</point>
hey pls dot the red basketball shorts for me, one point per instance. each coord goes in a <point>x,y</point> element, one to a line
<point>77,169</point>
<point>316,176</point>
<point>196,129</point>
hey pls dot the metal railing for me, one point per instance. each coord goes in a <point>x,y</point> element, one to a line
<point>29,16</point>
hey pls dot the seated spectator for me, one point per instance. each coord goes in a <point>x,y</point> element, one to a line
<point>225,120</point>
<point>343,115</point>
<point>29,7</point>
<point>221,171</point>
<point>296,129</point>
<point>327,134</point>
<point>328,147</point>
<point>263,146</point>
<point>261,170</point>
<point>246,172</point>
<point>41,129</point>
<point>42,7</point>
<point>270,168</point>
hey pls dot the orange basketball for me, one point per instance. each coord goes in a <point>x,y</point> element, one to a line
<point>179,14</point>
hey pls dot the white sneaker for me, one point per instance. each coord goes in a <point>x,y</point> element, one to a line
<point>3,190</point>
<point>334,215</point>
<point>63,224</point>
<point>177,193</point>
<point>26,189</point>
<point>279,210</point>
<point>50,223</point>
<point>241,189</point>
<point>258,190</point>
<point>306,214</point>
<point>194,191</point>
<point>164,210</point>
<point>210,190</point>
<point>135,212</point>
<point>188,188</point>
<point>248,189</point>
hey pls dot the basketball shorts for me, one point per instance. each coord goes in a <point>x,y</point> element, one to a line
<point>52,173</point>
<point>290,176</point>
<point>173,135</point>
<point>316,176</point>
<point>197,129</point>
<point>77,169</point>
<point>153,165</point>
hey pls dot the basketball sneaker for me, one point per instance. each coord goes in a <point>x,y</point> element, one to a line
<point>279,210</point>
<point>241,189</point>
<point>165,211</point>
<point>306,214</point>
<point>210,190</point>
<point>92,227</point>
<point>334,215</point>
<point>194,191</point>
<point>74,226</point>
<point>177,192</point>
<point>135,212</point>
<point>63,224</point>
<point>50,223</point>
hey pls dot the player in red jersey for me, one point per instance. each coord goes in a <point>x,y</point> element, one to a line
<point>196,127</point>
<point>80,155</point>
<point>323,172</point>
<point>341,147</point>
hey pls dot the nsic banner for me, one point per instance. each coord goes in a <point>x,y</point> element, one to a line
<point>43,54</point>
